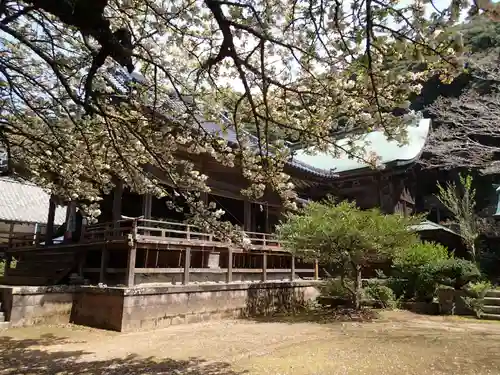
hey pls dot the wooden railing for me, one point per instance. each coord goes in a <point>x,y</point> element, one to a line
<point>9,240</point>
<point>157,231</point>
<point>118,230</point>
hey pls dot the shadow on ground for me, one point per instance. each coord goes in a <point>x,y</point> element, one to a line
<point>29,357</point>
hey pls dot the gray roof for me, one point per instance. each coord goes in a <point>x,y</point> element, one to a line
<point>324,165</point>
<point>428,225</point>
<point>24,202</point>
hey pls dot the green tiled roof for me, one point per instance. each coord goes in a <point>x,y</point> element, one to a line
<point>389,151</point>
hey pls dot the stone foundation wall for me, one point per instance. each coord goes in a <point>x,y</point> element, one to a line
<point>24,306</point>
<point>153,307</point>
<point>140,307</point>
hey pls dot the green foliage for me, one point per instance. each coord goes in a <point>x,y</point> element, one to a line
<point>420,269</point>
<point>453,272</point>
<point>336,233</point>
<point>414,257</point>
<point>345,237</point>
<point>413,278</point>
<point>481,34</point>
<point>2,267</point>
<point>382,294</point>
<point>475,298</point>
<point>461,201</point>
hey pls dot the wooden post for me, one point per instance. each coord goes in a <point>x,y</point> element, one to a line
<point>292,276</point>
<point>11,234</point>
<point>131,265</point>
<point>49,230</point>
<point>104,262</point>
<point>117,201</point>
<point>70,220</point>
<point>37,235</point>
<point>187,265</point>
<point>8,264</point>
<point>147,201</point>
<point>264,267</point>
<point>229,265</point>
<point>316,269</point>
<point>247,215</point>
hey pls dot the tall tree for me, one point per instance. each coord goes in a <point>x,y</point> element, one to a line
<point>300,67</point>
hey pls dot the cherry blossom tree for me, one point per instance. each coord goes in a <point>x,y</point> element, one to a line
<point>294,68</point>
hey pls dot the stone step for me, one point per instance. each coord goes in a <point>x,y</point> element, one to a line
<point>494,293</point>
<point>491,309</point>
<point>4,325</point>
<point>490,316</point>
<point>492,301</point>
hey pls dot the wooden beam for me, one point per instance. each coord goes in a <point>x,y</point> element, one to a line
<point>187,265</point>
<point>117,201</point>
<point>229,265</point>
<point>11,234</point>
<point>264,267</point>
<point>104,262</point>
<point>49,230</point>
<point>316,269</point>
<point>147,200</point>
<point>132,255</point>
<point>70,220</point>
<point>247,218</point>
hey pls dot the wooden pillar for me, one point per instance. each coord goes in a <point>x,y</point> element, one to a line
<point>264,267</point>
<point>147,201</point>
<point>38,232</point>
<point>229,265</point>
<point>104,263</point>
<point>316,269</point>
<point>49,231</point>
<point>187,265</point>
<point>70,220</point>
<point>292,276</point>
<point>247,218</point>
<point>117,201</point>
<point>11,234</point>
<point>131,265</point>
<point>8,264</point>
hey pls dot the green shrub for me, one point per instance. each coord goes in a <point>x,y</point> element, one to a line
<point>453,272</point>
<point>413,279</point>
<point>423,253</point>
<point>382,294</point>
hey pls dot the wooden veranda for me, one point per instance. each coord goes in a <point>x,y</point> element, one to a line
<point>132,251</point>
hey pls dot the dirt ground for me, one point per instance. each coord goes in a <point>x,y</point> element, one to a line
<point>396,343</point>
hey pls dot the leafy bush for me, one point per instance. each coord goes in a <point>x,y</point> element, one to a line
<point>382,294</point>
<point>423,253</point>
<point>453,272</point>
<point>413,279</point>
